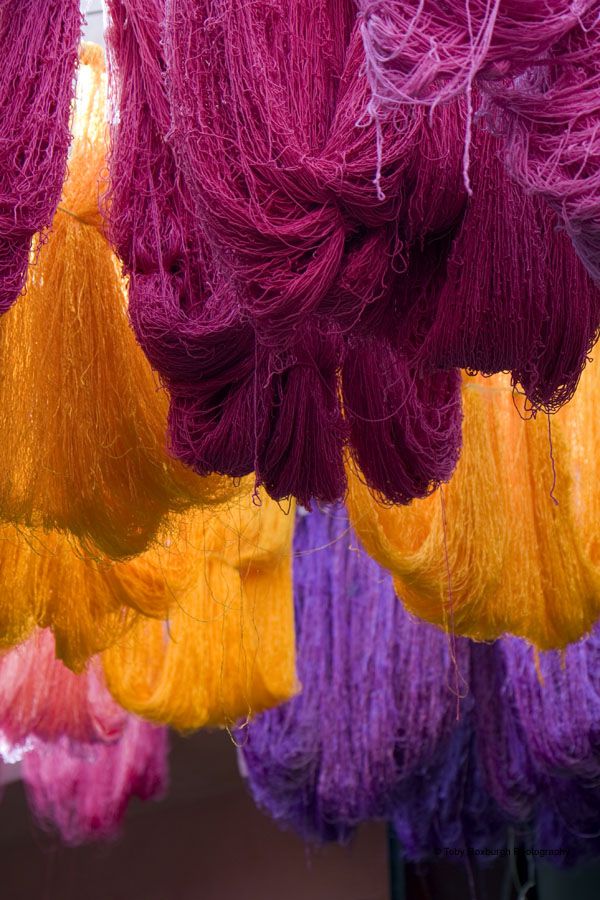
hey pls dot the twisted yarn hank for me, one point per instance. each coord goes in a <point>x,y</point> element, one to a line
<point>39,40</point>
<point>274,200</point>
<point>428,52</point>
<point>522,303</point>
<point>538,64</point>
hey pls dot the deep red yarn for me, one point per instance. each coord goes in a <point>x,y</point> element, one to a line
<point>269,228</point>
<point>515,295</point>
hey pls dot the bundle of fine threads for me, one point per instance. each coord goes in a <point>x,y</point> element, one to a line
<point>228,650</point>
<point>39,58</point>
<point>505,547</point>
<point>40,699</point>
<point>536,721</point>
<point>83,791</point>
<point>524,303</point>
<point>447,805</point>
<point>379,692</point>
<point>295,261</point>
<point>82,417</point>
<point>538,65</point>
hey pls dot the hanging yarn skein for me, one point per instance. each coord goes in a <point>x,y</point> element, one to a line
<point>494,552</point>
<point>526,303</point>
<point>258,166</point>
<point>192,576</point>
<point>82,419</point>
<point>447,805</point>
<point>83,792</point>
<point>379,697</point>
<point>39,57</point>
<point>536,728</point>
<point>40,699</point>
<point>228,650</point>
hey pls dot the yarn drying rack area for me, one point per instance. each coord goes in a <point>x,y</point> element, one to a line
<point>300,470</point>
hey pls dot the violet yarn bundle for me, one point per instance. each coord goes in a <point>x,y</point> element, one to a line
<point>509,773</point>
<point>39,40</point>
<point>265,180</point>
<point>379,694</point>
<point>83,791</point>
<point>567,822</point>
<point>447,804</point>
<point>558,705</point>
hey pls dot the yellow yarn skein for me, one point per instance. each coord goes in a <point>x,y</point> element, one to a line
<point>228,650</point>
<point>493,552</point>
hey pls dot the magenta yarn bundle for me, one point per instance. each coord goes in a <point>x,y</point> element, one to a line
<point>83,756</point>
<point>263,257</point>
<point>551,120</point>
<point>42,700</point>
<point>379,698</point>
<point>83,791</point>
<point>515,297</point>
<point>39,40</point>
<point>429,51</point>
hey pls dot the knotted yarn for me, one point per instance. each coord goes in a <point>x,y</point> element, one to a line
<point>39,40</point>
<point>494,551</point>
<point>243,206</point>
<point>83,792</point>
<point>82,417</point>
<point>227,649</point>
<point>379,692</point>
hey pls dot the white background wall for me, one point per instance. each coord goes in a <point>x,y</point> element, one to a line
<point>93,30</point>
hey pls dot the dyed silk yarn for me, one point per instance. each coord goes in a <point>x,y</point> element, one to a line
<point>39,40</point>
<point>260,254</point>
<point>494,552</point>
<point>83,791</point>
<point>538,65</point>
<point>82,419</point>
<point>379,692</point>
<point>228,650</point>
<point>40,699</point>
